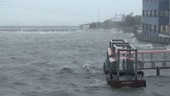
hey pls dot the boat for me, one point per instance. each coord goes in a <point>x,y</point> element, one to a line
<point>121,64</point>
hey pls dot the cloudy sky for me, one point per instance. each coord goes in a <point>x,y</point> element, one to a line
<point>63,12</point>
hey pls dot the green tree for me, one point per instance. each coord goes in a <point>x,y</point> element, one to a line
<point>131,20</point>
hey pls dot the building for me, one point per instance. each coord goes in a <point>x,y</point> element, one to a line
<point>156,17</point>
<point>156,21</point>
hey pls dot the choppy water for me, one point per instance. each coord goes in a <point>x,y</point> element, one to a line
<point>66,64</point>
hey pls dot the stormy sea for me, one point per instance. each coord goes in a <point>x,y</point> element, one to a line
<point>68,63</point>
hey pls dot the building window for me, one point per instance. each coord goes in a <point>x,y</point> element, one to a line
<point>164,13</point>
<point>146,26</point>
<point>143,13</point>
<point>163,29</point>
<point>154,28</point>
<point>146,13</point>
<point>143,26</point>
<point>167,13</point>
<point>150,27</point>
<point>154,13</point>
<point>157,13</point>
<point>151,13</point>
<point>167,29</point>
<point>157,28</point>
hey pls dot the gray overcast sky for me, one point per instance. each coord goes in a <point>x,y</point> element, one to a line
<point>63,12</point>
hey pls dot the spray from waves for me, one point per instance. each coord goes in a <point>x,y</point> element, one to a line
<point>44,33</point>
<point>88,67</point>
<point>146,46</point>
<point>66,70</point>
<point>93,69</point>
<point>130,37</point>
<point>93,72</point>
<point>84,69</point>
<point>168,47</point>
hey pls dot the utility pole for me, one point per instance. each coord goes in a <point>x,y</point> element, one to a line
<point>99,15</point>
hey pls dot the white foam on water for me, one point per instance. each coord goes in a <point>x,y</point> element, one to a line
<point>59,64</point>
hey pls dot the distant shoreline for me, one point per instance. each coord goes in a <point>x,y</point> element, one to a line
<point>39,28</point>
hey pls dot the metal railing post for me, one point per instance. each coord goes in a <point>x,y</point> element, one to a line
<point>152,62</point>
<point>142,64</point>
<point>164,62</point>
<point>118,62</point>
<point>157,71</point>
